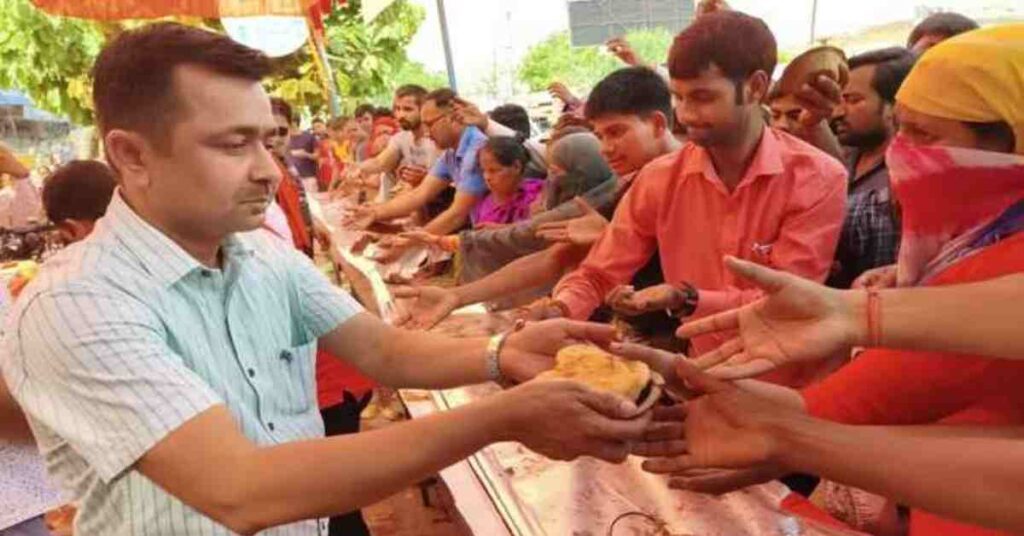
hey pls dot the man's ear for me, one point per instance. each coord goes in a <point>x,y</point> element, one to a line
<point>660,123</point>
<point>128,153</point>
<point>756,87</point>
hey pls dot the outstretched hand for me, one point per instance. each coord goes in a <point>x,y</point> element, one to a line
<point>797,321</point>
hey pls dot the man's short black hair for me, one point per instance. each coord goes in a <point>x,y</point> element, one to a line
<point>630,91</point>
<point>79,190</point>
<point>892,65</point>
<point>945,23</point>
<point>443,97</point>
<point>133,77</point>
<point>364,109</point>
<point>382,111</point>
<point>513,116</point>
<point>411,90</point>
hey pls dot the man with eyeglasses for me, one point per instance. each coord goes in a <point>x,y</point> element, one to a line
<point>457,167</point>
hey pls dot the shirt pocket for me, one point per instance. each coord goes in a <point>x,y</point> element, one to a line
<point>293,378</point>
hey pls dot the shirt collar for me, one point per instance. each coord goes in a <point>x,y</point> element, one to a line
<point>767,159</point>
<point>162,257</point>
<point>470,135</point>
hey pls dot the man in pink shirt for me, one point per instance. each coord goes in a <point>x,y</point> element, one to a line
<point>737,188</point>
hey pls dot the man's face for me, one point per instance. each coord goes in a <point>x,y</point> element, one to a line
<point>216,175</point>
<point>707,105</point>
<point>365,122</point>
<point>785,114</point>
<point>863,119</point>
<point>440,123</point>
<point>319,129</point>
<point>353,132</point>
<point>628,142</point>
<point>407,112</point>
<point>278,140</point>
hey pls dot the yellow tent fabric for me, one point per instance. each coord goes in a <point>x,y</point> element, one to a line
<point>149,9</point>
<point>977,76</point>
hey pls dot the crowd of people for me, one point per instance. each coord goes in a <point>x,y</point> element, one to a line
<point>822,273</point>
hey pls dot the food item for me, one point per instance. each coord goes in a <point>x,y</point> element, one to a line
<point>600,370</point>
<point>826,60</point>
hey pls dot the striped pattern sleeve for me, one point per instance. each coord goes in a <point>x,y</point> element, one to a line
<point>99,372</point>
<point>322,306</point>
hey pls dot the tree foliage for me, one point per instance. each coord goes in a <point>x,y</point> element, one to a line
<point>368,60</point>
<point>49,58</point>
<point>555,59</point>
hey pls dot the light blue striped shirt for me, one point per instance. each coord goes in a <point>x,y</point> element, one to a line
<point>124,337</point>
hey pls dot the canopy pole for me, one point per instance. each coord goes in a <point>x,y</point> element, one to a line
<point>447,45</point>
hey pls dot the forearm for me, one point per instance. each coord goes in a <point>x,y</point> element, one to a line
<point>399,206</point>
<point>977,318</point>
<point>916,466</point>
<point>307,479</point>
<point>447,222</point>
<point>384,162</point>
<point>525,273</point>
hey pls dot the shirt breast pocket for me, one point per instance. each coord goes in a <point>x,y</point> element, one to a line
<point>294,378</point>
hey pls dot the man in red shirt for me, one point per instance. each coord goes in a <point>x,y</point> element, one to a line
<point>738,187</point>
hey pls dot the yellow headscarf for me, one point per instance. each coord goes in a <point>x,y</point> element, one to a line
<point>977,76</point>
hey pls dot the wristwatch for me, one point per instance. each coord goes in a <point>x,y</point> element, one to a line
<point>690,300</point>
<point>493,354</point>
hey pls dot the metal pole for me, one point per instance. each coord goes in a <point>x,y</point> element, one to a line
<point>814,20</point>
<point>447,45</point>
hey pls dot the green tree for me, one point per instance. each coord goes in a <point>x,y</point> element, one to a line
<point>555,59</point>
<point>49,58</point>
<point>368,60</point>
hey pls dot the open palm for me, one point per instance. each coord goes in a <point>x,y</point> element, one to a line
<point>797,321</point>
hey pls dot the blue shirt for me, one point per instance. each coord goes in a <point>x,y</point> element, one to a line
<point>460,165</point>
<point>124,337</point>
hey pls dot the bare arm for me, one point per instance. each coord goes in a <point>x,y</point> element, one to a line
<point>976,318</point>
<point>531,271</point>
<point>404,205</point>
<point>800,320</point>
<point>920,464</point>
<point>385,162</point>
<point>210,465</point>
<point>395,357</point>
<point>455,216</point>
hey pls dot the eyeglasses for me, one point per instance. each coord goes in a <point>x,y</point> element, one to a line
<point>431,124</point>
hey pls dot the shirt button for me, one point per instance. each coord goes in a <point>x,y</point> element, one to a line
<point>286,356</point>
<point>270,425</point>
<point>252,373</point>
<point>206,273</point>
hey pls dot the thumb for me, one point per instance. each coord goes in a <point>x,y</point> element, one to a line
<point>608,404</point>
<point>583,205</point>
<point>700,380</point>
<point>769,280</point>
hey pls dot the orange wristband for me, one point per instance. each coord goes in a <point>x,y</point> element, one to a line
<point>874,318</point>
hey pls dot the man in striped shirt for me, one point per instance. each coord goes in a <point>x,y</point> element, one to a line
<point>165,363</point>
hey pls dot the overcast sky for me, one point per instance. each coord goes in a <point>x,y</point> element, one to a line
<point>486,33</point>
